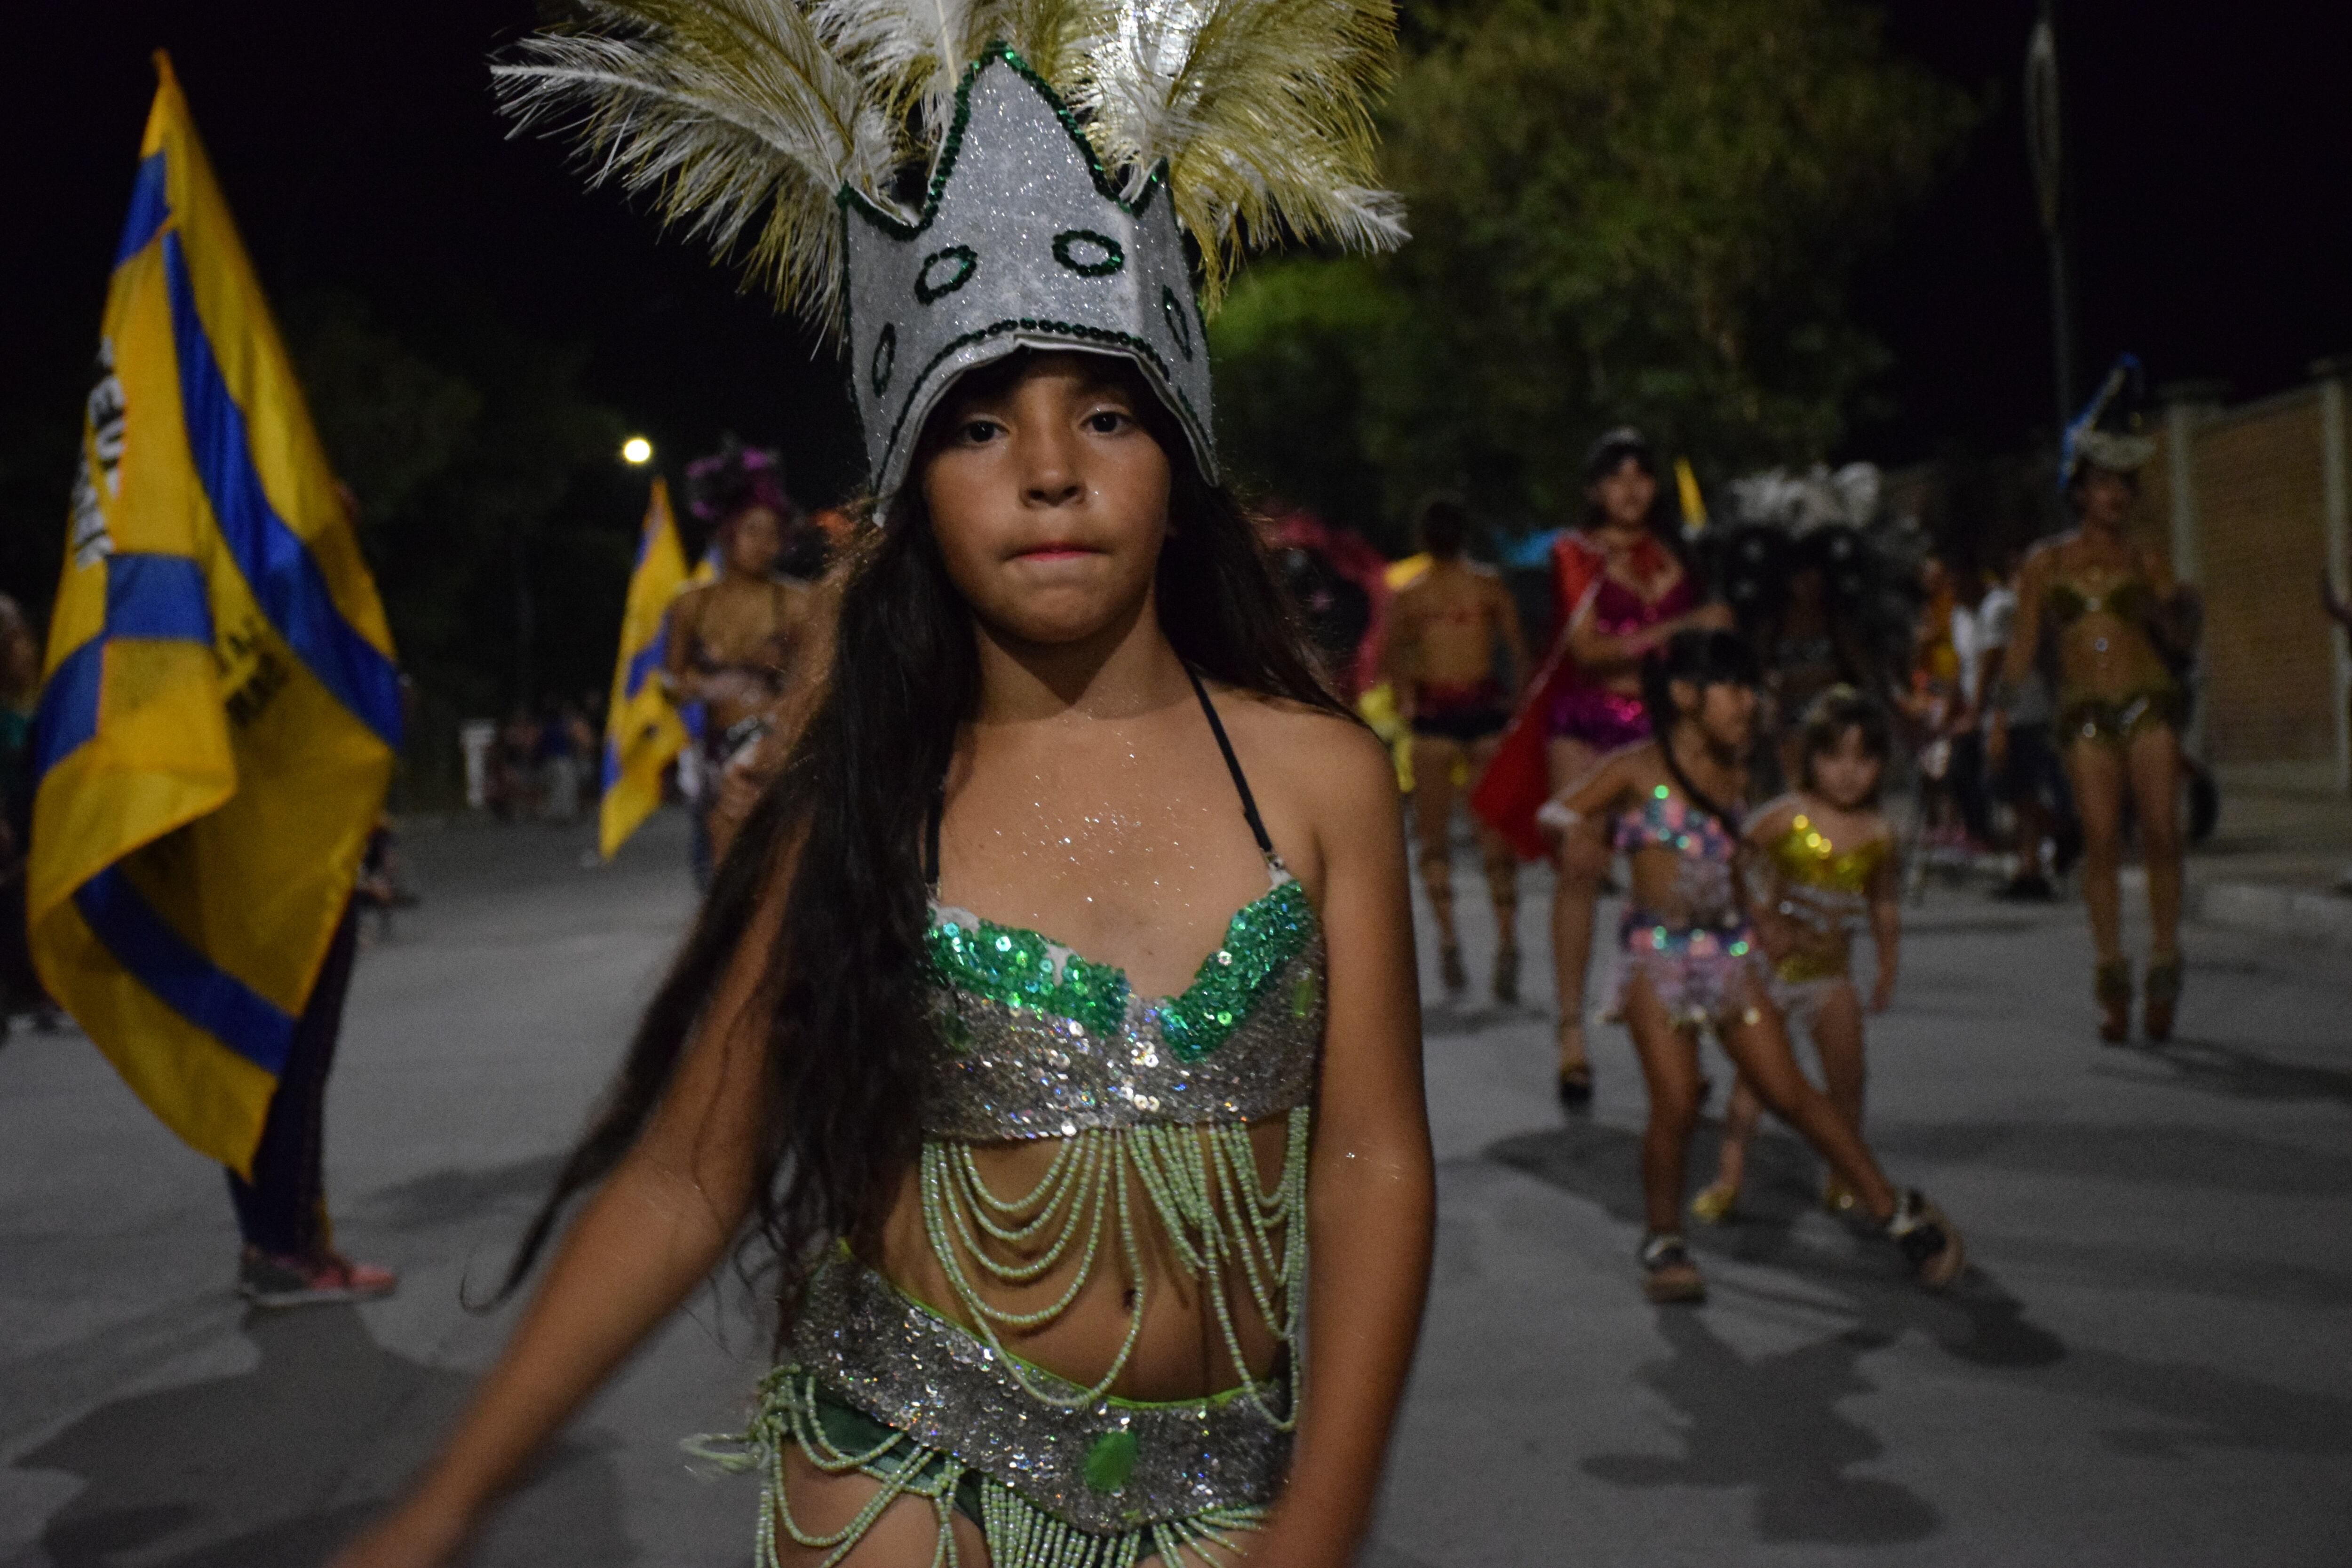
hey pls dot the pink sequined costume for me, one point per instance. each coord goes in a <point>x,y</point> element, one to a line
<point>1601,719</point>
<point>1698,953</point>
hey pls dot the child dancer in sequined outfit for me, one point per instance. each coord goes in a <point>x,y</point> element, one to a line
<point>1037,1208</point>
<point>1824,858</point>
<point>1688,959</point>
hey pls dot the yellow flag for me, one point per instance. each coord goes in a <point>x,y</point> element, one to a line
<point>642,731</point>
<point>220,705</point>
<point>1694,504</point>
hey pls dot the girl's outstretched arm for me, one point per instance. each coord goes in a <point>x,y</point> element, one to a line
<point>1371,1181</point>
<point>651,1233</point>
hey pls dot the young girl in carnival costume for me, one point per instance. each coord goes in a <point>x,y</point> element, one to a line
<point>1823,858</point>
<point>2123,631</point>
<point>1620,588</point>
<point>1688,957</point>
<point>1039,1205</point>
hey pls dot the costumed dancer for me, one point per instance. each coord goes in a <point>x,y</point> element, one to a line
<point>1687,957</point>
<point>1825,857</point>
<point>2123,630</point>
<point>1442,631</point>
<point>733,641</point>
<point>1620,588</point>
<point>1040,1206</point>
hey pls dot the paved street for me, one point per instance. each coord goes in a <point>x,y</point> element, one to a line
<point>2152,1363</point>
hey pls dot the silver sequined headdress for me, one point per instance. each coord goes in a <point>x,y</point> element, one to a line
<point>1064,151</point>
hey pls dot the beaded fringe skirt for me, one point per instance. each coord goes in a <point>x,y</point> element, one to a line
<point>879,1385</point>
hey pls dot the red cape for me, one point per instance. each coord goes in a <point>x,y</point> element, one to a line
<point>1518,780</point>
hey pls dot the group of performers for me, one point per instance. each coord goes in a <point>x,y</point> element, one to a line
<point>1648,732</point>
<point>1034,1182</point>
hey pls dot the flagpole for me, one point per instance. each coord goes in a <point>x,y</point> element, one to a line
<point>2045,148</point>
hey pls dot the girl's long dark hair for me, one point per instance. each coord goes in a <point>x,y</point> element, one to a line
<point>847,1014</point>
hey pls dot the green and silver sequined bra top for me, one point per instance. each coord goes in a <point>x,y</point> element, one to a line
<point>1037,1041</point>
<point>1150,1098</point>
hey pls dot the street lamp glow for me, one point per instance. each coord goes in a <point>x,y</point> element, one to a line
<point>636,449</point>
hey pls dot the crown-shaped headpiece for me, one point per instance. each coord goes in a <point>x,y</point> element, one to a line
<point>1023,242</point>
<point>1073,148</point>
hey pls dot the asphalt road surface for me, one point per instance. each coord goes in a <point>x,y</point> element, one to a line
<point>2150,1365</point>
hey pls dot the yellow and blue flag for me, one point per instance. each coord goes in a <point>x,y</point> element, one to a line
<point>643,730</point>
<point>220,706</point>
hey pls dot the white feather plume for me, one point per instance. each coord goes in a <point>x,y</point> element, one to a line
<point>735,113</point>
<point>745,117</point>
<point>1262,109</point>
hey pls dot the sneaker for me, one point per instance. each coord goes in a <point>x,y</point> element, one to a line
<point>267,1280</point>
<point>1929,1242</point>
<point>1714,1204</point>
<point>1668,1275</point>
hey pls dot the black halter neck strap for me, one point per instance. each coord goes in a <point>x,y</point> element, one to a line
<point>1224,746</point>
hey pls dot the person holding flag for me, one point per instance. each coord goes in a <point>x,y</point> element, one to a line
<point>644,731</point>
<point>217,724</point>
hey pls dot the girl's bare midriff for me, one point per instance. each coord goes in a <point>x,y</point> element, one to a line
<point>1180,1352</point>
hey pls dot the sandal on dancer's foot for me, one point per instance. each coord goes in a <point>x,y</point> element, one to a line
<point>1451,972</point>
<point>1714,1204</point>
<point>2163,994</point>
<point>1927,1239</point>
<point>2111,984</point>
<point>1668,1275</point>
<point>1575,1069</point>
<point>1507,977</point>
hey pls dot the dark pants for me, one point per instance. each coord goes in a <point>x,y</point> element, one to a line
<point>1966,778</point>
<point>20,987</point>
<point>283,1210</point>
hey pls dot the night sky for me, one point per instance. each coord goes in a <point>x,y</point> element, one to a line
<point>358,150</point>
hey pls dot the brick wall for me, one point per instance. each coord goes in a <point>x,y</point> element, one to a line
<point>2261,532</point>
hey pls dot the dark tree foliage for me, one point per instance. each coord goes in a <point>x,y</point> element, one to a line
<point>1638,211</point>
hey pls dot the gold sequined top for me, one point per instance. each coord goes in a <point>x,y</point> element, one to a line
<point>1807,859</point>
<point>1826,890</point>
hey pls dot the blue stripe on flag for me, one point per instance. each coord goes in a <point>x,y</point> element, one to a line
<point>647,659</point>
<point>612,762</point>
<point>183,978</point>
<point>67,715</point>
<point>277,565</point>
<point>151,207</point>
<point>157,597</point>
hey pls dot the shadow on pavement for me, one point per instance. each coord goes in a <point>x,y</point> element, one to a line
<point>2146,1154</point>
<point>2185,1406</point>
<point>258,1470</point>
<point>2229,1073</point>
<point>1773,1423</point>
<point>457,1193</point>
